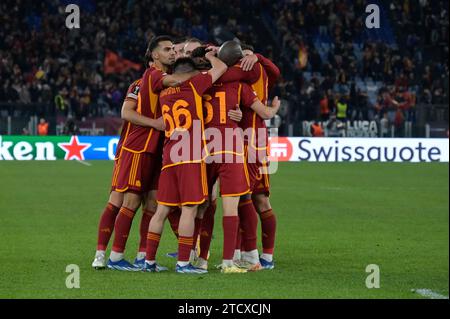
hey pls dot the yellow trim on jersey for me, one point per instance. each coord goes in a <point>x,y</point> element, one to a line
<point>136,167</point>
<point>265,174</point>
<point>116,173</point>
<point>246,172</point>
<point>235,195</point>
<point>199,109</point>
<point>123,190</point>
<point>148,138</point>
<point>239,94</point>
<point>139,104</point>
<point>260,89</point>
<point>133,167</point>
<point>153,97</point>
<point>181,204</point>
<point>133,151</point>
<point>225,152</point>
<point>124,139</point>
<point>252,139</point>
<point>204,179</point>
<point>179,163</point>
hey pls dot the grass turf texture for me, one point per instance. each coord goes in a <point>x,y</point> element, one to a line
<point>333,221</point>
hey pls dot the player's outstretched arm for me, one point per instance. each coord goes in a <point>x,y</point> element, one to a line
<point>266,112</point>
<point>174,80</point>
<point>129,114</point>
<point>272,71</point>
<point>218,67</point>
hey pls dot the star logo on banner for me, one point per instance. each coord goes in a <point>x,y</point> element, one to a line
<point>74,149</point>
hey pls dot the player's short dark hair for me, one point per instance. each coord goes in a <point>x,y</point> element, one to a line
<point>183,65</point>
<point>152,45</point>
<point>198,55</point>
<point>199,52</point>
<point>246,46</point>
<point>230,52</point>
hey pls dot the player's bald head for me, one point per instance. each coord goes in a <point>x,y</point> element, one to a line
<point>230,52</point>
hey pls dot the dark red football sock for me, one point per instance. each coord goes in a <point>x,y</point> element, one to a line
<point>207,230</point>
<point>230,230</point>
<point>248,222</point>
<point>143,228</point>
<point>122,229</point>
<point>174,220</point>
<point>268,228</point>
<point>152,245</point>
<point>106,226</point>
<point>184,248</point>
<point>239,239</point>
<point>197,226</point>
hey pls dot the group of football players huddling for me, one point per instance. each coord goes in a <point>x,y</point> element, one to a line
<point>194,124</point>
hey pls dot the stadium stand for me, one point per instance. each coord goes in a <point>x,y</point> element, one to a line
<point>322,47</point>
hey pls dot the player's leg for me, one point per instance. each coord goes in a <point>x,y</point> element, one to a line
<point>234,183</point>
<point>268,228</point>
<point>105,228</point>
<point>186,233</point>
<point>127,181</point>
<point>207,229</point>
<point>248,218</point>
<point>148,210</point>
<point>131,202</point>
<point>193,191</point>
<point>212,172</point>
<point>155,229</point>
<point>230,223</point>
<point>197,227</point>
<point>174,221</point>
<point>185,240</point>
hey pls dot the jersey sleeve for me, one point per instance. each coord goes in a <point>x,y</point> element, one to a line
<point>248,96</point>
<point>273,72</point>
<point>133,91</point>
<point>156,80</point>
<point>235,73</point>
<point>202,82</point>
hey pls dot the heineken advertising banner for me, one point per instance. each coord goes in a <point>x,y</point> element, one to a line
<point>57,147</point>
<point>293,149</point>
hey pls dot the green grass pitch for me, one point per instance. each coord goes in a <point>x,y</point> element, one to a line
<point>333,221</point>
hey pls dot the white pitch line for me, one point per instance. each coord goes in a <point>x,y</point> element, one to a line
<point>429,294</point>
<point>84,163</point>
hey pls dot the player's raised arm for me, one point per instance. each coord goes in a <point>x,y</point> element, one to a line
<point>174,80</point>
<point>218,67</point>
<point>266,112</point>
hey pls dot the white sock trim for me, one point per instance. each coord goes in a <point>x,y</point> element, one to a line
<point>267,257</point>
<point>182,263</point>
<point>115,256</point>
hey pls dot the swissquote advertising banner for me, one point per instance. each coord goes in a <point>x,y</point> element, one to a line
<point>293,149</point>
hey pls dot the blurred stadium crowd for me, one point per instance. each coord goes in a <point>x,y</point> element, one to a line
<point>327,56</point>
